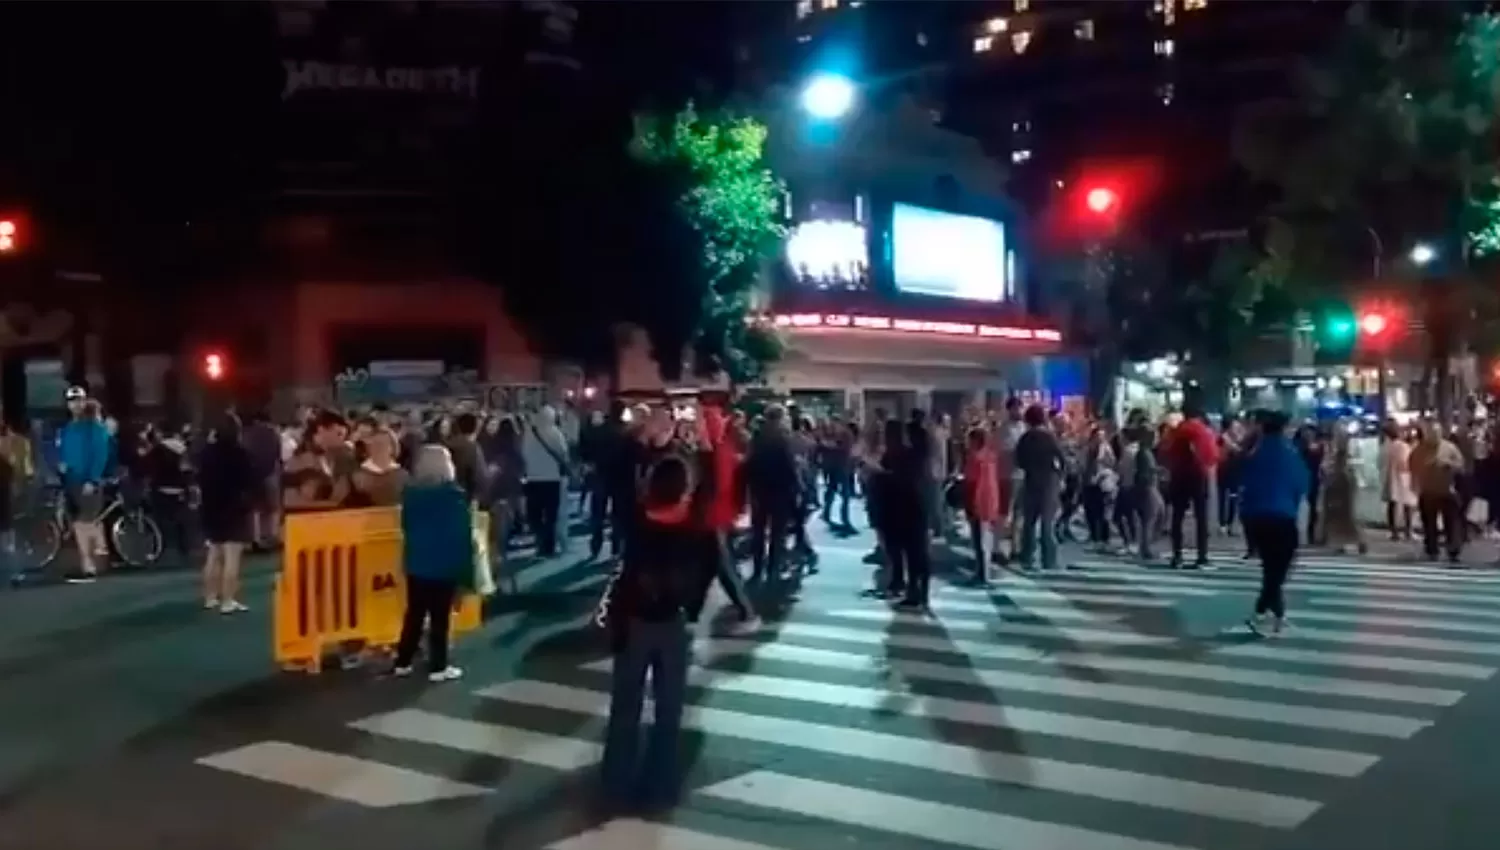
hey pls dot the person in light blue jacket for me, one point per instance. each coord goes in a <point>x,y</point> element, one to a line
<point>1274,481</point>
<point>84,448</point>
<point>437,552</point>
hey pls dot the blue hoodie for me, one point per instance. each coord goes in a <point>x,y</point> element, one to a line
<point>437,533</point>
<point>83,449</point>
<point>1273,479</point>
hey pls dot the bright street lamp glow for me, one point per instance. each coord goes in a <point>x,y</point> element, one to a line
<point>828,96</point>
<point>1422,254</point>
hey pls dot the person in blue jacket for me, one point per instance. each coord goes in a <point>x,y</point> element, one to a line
<point>1272,486</point>
<point>437,551</point>
<point>83,459</point>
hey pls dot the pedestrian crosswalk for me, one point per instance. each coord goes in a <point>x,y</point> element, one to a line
<point>1055,712</point>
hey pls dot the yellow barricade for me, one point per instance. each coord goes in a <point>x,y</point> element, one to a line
<point>341,584</point>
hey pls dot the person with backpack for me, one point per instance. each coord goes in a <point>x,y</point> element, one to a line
<point>1190,453</point>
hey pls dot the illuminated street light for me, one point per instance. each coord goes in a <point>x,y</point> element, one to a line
<point>1422,253</point>
<point>829,97</point>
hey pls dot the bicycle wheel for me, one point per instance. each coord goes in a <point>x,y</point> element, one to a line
<point>38,542</point>
<point>136,539</point>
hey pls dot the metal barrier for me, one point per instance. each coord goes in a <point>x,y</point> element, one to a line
<point>341,584</point>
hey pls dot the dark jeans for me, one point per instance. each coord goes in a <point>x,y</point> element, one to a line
<point>428,602</point>
<point>911,567</point>
<point>607,508</point>
<point>1183,496</point>
<point>839,484</point>
<point>172,516</point>
<point>1444,509</point>
<point>1094,506</point>
<point>769,526</point>
<point>660,650</point>
<point>727,573</point>
<point>1229,502</point>
<point>543,499</point>
<point>1275,540</point>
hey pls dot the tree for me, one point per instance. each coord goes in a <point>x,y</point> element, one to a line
<point>1389,140</point>
<point>720,212</point>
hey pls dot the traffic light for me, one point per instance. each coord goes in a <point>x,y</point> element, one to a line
<point>1374,326</point>
<point>1101,200</point>
<point>10,239</point>
<point>1338,328</point>
<point>213,366</point>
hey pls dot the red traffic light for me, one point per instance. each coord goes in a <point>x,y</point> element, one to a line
<point>1374,324</point>
<point>9,232</point>
<point>213,366</point>
<point>1101,199</point>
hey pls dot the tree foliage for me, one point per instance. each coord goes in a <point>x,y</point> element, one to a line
<point>725,208</point>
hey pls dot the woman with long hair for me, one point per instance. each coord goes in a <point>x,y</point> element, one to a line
<point>227,485</point>
<point>981,496</point>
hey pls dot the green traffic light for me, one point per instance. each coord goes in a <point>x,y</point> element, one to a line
<point>1341,327</point>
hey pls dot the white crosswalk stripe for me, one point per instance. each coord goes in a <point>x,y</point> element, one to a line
<point>1036,716</point>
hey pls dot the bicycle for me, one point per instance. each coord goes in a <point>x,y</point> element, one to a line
<point>133,537</point>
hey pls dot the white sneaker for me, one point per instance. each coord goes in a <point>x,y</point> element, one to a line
<point>447,674</point>
<point>1279,626</point>
<point>1258,624</point>
<point>401,672</point>
<point>211,603</point>
<point>230,606</point>
<point>747,627</point>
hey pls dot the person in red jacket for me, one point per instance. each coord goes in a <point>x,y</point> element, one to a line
<point>726,505</point>
<point>1190,453</point>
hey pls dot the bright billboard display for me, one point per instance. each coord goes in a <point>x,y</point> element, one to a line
<point>945,255</point>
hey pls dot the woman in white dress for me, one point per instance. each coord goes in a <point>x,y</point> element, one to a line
<point>1395,482</point>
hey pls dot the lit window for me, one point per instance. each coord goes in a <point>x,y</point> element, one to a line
<point>804,38</point>
<point>1023,5</point>
<point>1165,47</point>
<point>1020,41</point>
<point>1020,156</point>
<point>804,8</point>
<point>1193,5</point>
<point>921,39</point>
<point>1166,91</point>
<point>996,25</point>
<point>1084,30</point>
<point>830,4</point>
<point>983,44</point>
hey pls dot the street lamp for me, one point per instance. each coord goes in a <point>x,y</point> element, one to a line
<point>1422,253</point>
<point>829,97</point>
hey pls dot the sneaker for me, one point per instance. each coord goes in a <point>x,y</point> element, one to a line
<point>1279,626</point>
<point>1257,624</point>
<point>211,603</point>
<point>84,577</point>
<point>447,674</point>
<point>230,606</point>
<point>747,626</point>
<point>400,672</point>
<point>1205,565</point>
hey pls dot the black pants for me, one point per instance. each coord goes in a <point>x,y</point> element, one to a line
<point>543,500</point>
<point>1094,506</point>
<point>1181,497</point>
<point>172,516</point>
<point>839,485</point>
<point>911,568</point>
<point>1444,509</point>
<point>770,523</point>
<point>1229,502</point>
<point>1314,498</point>
<point>607,508</point>
<point>428,602</point>
<point>1275,539</point>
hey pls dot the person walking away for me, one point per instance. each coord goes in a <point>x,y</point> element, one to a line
<point>545,453</point>
<point>83,455</point>
<point>838,472</point>
<point>1341,528</point>
<point>646,619</point>
<point>437,556</point>
<point>462,443</point>
<point>1191,454</point>
<point>263,442</point>
<point>882,498</point>
<point>1007,434</point>
<point>1435,467</point>
<point>773,483</point>
<point>1273,483</point>
<point>1039,456</point>
<point>907,474</point>
<point>16,472</point>
<point>1226,477</point>
<point>379,480</point>
<point>1313,449</point>
<point>1396,489</point>
<point>725,503</point>
<point>937,461</point>
<point>981,498</point>
<point>164,473</point>
<point>507,483</point>
<point>228,482</point>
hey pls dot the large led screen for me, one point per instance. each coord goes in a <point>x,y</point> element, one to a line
<point>947,255</point>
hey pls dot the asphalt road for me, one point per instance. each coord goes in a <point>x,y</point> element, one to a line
<point>1106,707</point>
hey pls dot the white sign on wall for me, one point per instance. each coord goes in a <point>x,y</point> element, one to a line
<point>829,254</point>
<point>323,76</point>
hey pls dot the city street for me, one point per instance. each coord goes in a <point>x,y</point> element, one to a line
<point>1106,707</point>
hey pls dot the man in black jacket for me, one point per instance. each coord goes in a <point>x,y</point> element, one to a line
<point>774,485</point>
